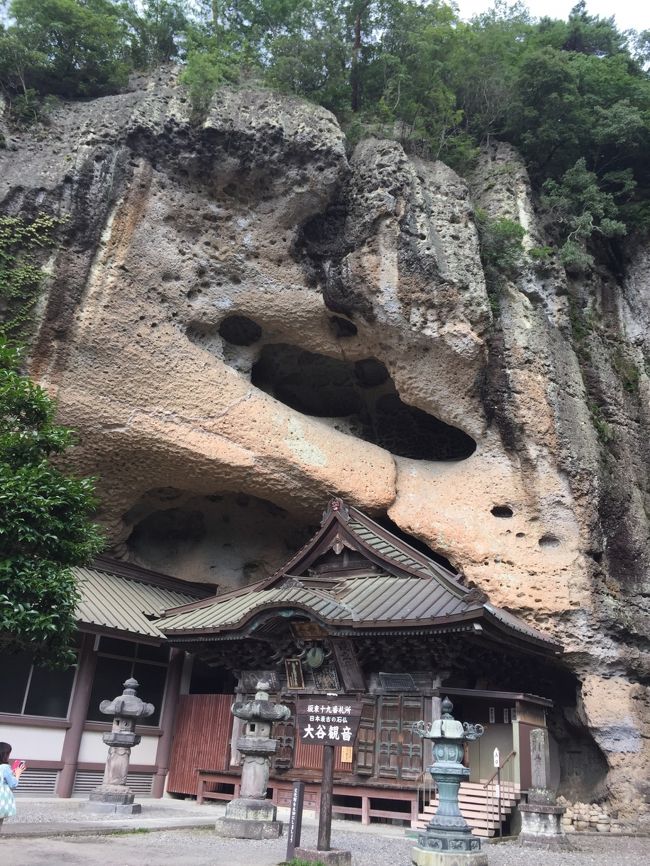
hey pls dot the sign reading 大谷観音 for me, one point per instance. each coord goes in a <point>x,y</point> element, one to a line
<point>328,721</point>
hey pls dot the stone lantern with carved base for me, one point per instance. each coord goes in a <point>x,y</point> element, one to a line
<point>114,795</point>
<point>447,839</point>
<point>251,815</point>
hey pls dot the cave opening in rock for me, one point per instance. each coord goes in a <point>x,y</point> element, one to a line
<point>240,330</point>
<point>360,398</point>
<point>342,327</point>
<point>228,539</point>
<point>394,528</point>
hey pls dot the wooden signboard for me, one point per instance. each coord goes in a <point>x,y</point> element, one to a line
<point>328,721</point>
<point>348,664</point>
<point>308,630</point>
<point>295,679</point>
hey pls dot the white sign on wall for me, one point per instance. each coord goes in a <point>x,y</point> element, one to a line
<point>497,758</point>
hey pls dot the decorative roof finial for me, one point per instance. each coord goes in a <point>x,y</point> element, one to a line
<point>336,506</point>
<point>446,708</point>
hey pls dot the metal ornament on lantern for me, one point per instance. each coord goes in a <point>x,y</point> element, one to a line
<point>447,838</point>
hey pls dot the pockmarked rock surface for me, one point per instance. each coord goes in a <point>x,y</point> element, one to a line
<point>243,317</point>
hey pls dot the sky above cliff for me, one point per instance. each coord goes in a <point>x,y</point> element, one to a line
<point>633,14</point>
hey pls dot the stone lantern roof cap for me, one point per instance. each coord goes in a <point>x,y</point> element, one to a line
<point>128,703</point>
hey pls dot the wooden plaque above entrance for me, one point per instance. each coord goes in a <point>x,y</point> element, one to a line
<point>348,664</point>
<point>308,630</point>
<point>248,681</point>
<point>328,722</point>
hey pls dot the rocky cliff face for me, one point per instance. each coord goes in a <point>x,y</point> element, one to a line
<point>242,319</point>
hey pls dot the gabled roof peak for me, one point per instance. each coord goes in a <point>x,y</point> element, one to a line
<point>337,506</point>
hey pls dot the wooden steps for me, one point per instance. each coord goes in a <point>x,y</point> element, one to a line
<point>478,805</point>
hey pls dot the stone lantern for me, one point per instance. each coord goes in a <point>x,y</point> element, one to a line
<point>251,815</point>
<point>113,795</point>
<point>447,839</point>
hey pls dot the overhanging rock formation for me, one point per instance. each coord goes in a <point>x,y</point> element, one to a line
<point>191,254</point>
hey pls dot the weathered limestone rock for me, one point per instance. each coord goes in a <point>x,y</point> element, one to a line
<point>195,260</point>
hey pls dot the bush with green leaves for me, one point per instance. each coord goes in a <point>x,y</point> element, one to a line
<point>212,59</point>
<point>501,244</point>
<point>44,521</point>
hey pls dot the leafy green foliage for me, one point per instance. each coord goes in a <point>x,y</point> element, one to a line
<point>501,248</point>
<point>20,272</point>
<point>69,48</point>
<point>212,59</point>
<point>560,91</point>
<point>44,526</point>
<point>579,208</point>
<point>75,48</point>
<point>158,31</point>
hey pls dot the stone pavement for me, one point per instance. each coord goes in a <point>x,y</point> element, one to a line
<point>75,839</point>
<point>49,816</point>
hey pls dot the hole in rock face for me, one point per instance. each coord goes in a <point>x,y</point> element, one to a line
<point>228,539</point>
<point>501,511</point>
<point>342,327</point>
<point>549,540</point>
<point>363,396</point>
<point>240,330</point>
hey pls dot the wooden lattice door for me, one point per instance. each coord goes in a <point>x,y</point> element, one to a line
<point>399,750</point>
<point>365,745</point>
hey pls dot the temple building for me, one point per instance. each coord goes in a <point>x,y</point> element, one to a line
<point>357,612</point>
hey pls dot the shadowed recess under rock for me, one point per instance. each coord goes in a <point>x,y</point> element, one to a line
<point>229,539</point>
<point>362,397</point>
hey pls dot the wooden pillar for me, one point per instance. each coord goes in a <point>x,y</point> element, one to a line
<point>167,719</point>
<point>78,712</point>
<point>326,796</point>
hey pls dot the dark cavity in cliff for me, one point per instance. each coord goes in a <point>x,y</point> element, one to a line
<point>363,396</point>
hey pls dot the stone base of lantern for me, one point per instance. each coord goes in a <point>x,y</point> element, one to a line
<point>249,819</point>
<point>113,798</point>
<point>448,849</point>
<point>541,827</point>
<point>448,858</point>
<point>334,857</point>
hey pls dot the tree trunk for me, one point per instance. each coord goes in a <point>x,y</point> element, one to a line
<point>355,76</point>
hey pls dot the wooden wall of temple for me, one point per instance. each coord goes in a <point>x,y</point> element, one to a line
<point>386,750</point>
<point>201,740</point>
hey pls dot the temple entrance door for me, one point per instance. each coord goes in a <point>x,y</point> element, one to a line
<point>399,750</point>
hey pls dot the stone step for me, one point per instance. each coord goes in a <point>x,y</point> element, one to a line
<point>478,806</point>
<point>473,808</point>
<point>506,804</point>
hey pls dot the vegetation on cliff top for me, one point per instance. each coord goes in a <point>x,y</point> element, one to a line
<point>573,97</point>
<point>44,521</point>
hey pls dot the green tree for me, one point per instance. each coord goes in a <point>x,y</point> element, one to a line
<point>75,47</point>
<point>158,31</point>
<point>44,521</point>
<point>581,210</point>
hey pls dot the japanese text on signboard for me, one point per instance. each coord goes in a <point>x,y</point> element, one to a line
<point>334,723</point>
